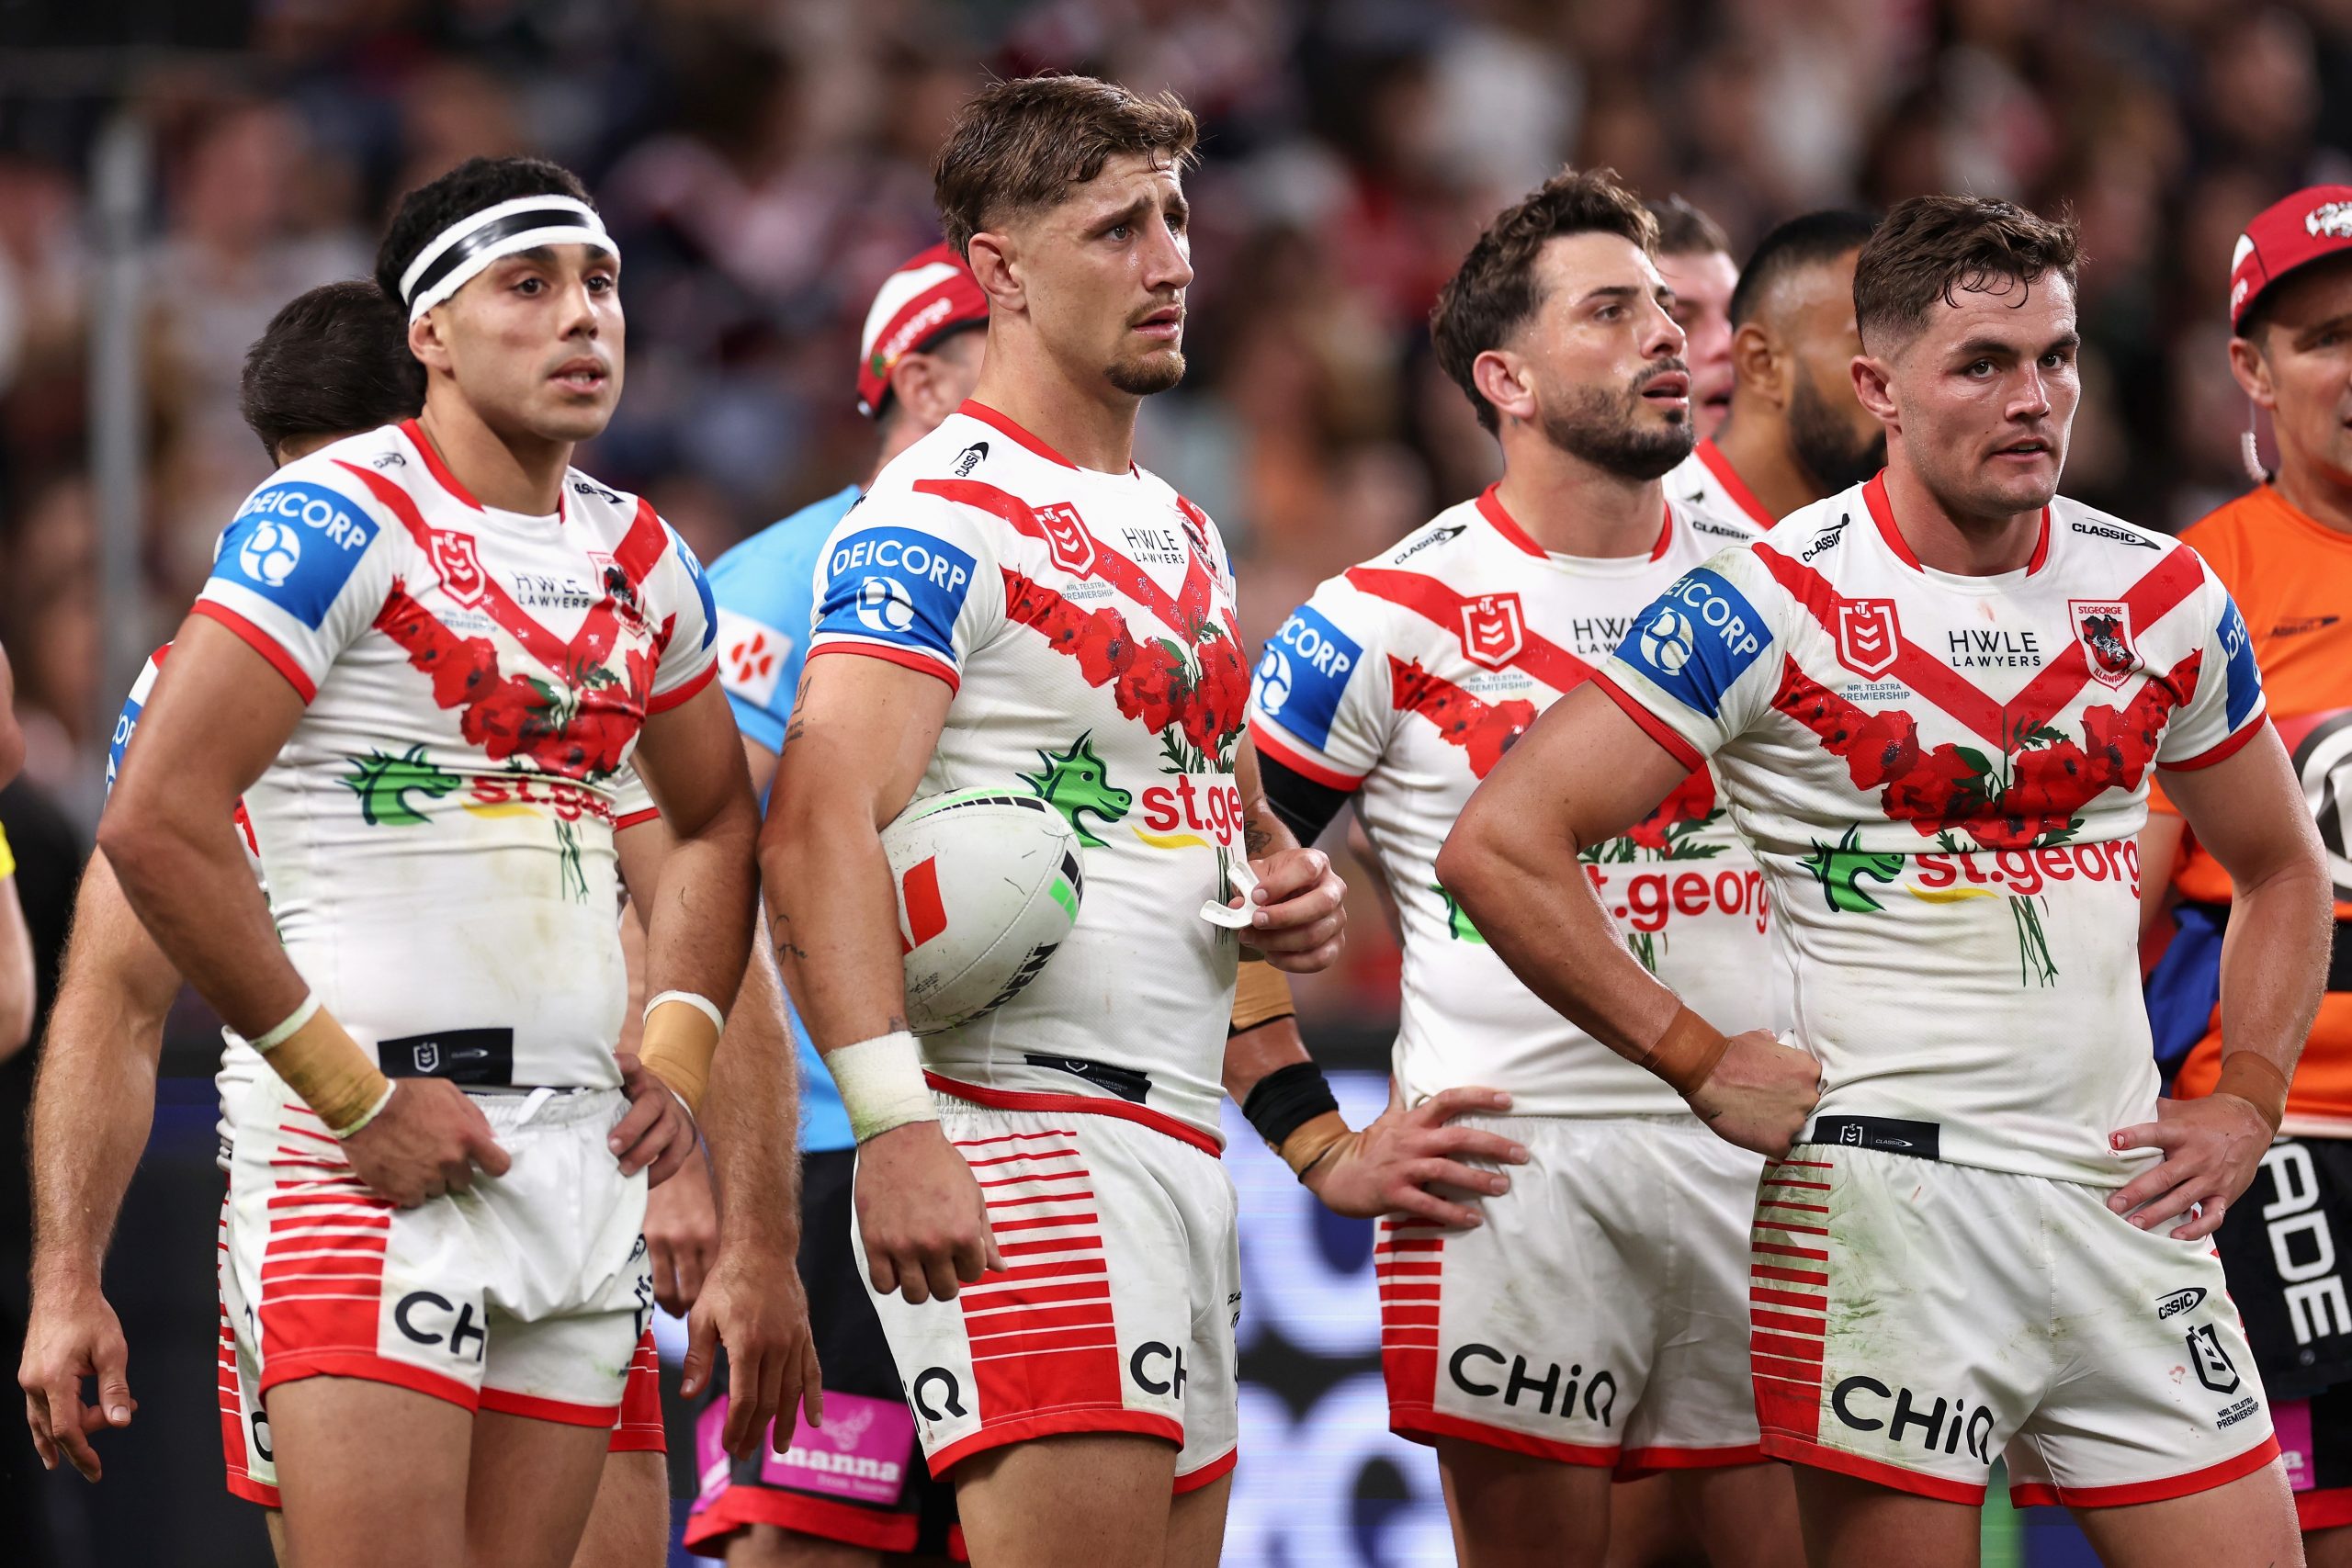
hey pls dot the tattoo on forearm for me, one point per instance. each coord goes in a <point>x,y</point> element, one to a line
<point>1256,840</point>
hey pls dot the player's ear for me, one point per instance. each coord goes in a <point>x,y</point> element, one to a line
<point>2252,367</point>
<point>995,264</point>
<point>1873,388</point>
<point>915,383</point>
<point>425,340</point>
<point>1501,379</point>
<point>1758,362</point>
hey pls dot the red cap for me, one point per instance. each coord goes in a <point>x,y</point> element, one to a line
<point>930,296</point>
<point>2314,222</point>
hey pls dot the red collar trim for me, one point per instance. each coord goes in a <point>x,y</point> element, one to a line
<point>1734,486</point>
<point>987,415</point>
<point>1490,507</point>
<point>1882,513</point>
<point>435,466</point>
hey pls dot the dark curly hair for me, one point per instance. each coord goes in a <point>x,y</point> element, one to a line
<point>474,185</point>
<point>1930,246</point>
<point>333,362</point>
<point>1021,143</point>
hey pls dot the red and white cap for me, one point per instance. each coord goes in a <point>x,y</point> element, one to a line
<point>2313,223</point>
<point>929,297</point>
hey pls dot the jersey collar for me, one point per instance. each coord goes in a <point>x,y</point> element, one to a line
<point>1490,507</point>
<point>1734,486</point>
<point>989,417</point>
<point>1882,513</point>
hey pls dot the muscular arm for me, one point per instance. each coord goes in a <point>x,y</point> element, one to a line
<point>1582,773</point>
<point>2160,843</point>
<point>94,1100</point>
<point>698,914</point>
<point>216,718</point>
<point>2249,813</point>
<point>863,731</point>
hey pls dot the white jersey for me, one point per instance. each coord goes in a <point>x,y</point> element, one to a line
<point>1706,482</point>
<point>1944,778</point>
<point>239,1061</point>
<point>1085,622</point>
<point>436,835</point>
<point>1403,681</point>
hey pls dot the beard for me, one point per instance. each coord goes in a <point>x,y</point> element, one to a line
<point>1826,448</point>
<point>1607,430</point>
<point>1144,377</point>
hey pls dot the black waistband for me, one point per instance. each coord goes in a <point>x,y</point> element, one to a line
<point>1888,1134</point>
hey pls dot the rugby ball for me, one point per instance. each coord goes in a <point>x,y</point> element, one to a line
<point>988,884</point>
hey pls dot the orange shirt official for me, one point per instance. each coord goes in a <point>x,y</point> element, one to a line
<point>2291,577</point>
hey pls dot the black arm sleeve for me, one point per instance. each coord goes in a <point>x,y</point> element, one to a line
<point>1305,807</point>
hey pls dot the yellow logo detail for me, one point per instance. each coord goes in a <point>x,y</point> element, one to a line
<point>1949,894</point>
<point>1173,840</point>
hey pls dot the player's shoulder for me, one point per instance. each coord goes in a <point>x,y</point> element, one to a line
<point>590,499</point>
<point>2108,537</point>
<point>364,472</point>
<point>1706,525</point>
<point>1443,542</point>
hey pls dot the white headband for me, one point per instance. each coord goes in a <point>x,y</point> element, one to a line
<point>471,243</point>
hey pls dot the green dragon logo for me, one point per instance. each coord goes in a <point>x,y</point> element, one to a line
<point>381,782</point>
<point>1840,870</point>
<point>1457,924</point>
<point>1075,782</point>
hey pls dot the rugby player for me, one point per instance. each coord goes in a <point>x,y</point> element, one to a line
<point>1023,600</point>
<point>1596,1326</point>
<point>919,357</point>
<point>1934,701</point>
<point>1694,257</point>
<point>1793,432</point>
<point>423,659</point>
<point>2284,550</point>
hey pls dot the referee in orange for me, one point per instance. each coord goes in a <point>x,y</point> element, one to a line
<point>2284,549</point>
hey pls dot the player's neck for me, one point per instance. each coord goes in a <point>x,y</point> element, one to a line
<point>2319,494</point>
<point>521,474</point>
<point>1758,449</point>
<point>1572,507</point>
<point>1093,427</point>
<point>1962,544</point>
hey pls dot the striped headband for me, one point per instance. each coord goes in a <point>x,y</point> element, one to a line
<point>471,243</point>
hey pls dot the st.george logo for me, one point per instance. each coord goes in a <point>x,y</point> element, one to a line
<point>1867,636</point>
<point>1493,629</point>
<point>458,560</point>
<point>270,553</point>
<point>2105,628</point>
<point>1067,539</point>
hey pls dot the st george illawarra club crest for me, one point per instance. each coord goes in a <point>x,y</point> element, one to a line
<point>1493,629</point>
<point>1867,637</point>
<point>2104,628</point>
<point>458,560</point>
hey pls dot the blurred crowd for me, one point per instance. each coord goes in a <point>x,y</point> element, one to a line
<point>763,164</point>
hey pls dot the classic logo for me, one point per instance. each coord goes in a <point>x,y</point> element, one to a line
<point>1067,539</point>
<point>971,458</point>
<point>1435,536</point>
<point>1867,636</point>
<point>458,560</point>
<point>2178,1301</point>
<point>1493,629</point>
<point>2105,628</point>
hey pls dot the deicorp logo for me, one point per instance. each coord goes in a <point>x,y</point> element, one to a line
<point>1697,638</point>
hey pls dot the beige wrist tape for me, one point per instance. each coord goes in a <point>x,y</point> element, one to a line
<point>321,1062</point>
<point>1311,1140</point>
<point>1260,994</point>
<point>881,1084</point>
<point>1687,1053</point>
<point>681,1036</point>
<point>2256,1080</point>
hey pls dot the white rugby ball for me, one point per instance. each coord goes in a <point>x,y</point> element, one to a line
<point>988,884</point>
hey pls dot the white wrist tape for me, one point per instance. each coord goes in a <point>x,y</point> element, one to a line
<point>703,1005</point>
<point>343,1134</point>
<point>881,1084</point>
<point>285,1031</point>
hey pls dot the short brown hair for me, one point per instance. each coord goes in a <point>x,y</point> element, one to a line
<point>1684,230</point>
<point>1494,292</point>
<point>1930,246</point>
<point>1023,143</point>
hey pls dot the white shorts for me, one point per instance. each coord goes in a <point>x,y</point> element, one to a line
<point>529,1295</point>
<point>1599,1315</point>
<point>1121,1284</point>
<point>245,1423</point>
<point>1915,1320</point>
